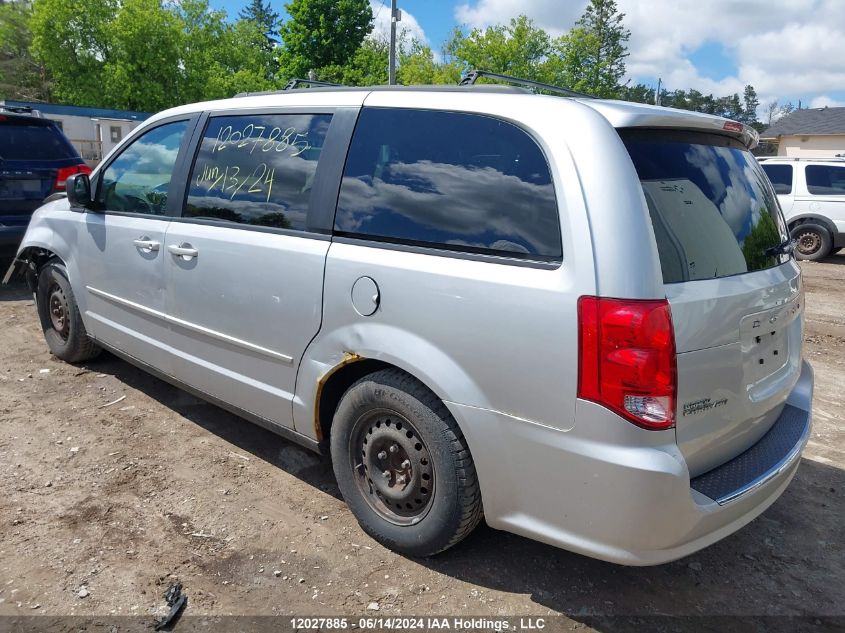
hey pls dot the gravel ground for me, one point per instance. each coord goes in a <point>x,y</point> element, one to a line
<point>103,506</point>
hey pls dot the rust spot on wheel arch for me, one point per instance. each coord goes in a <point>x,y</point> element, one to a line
<point>347,359</point>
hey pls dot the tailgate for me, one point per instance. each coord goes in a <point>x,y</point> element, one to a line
<point>739,356</point>
<point>22,191</point>
<point>735,296</point>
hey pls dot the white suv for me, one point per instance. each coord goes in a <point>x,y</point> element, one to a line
<point>811,192</point>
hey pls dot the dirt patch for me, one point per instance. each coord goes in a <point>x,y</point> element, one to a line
<point>161,487</point>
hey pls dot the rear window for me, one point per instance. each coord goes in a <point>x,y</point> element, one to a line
<point>449,180</point>
<point>710,202</point>
<point>781,177</point>
<point>26,140</point>
<point>826,180</point>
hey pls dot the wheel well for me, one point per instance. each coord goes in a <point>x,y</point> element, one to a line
<point>35,257</point>
<point>814,220</point>
<point>334,385</point>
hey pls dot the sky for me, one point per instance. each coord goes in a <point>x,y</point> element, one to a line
<point>789,50</point>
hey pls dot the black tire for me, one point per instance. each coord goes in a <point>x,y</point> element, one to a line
<point>814,241</point>
<point>63,328</point>
<point>440,501</point>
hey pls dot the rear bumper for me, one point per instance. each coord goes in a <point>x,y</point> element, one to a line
<point>613,491</point>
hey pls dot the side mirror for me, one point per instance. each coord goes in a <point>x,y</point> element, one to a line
<point>78,188</point>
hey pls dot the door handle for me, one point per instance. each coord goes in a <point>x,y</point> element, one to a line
<point>146,244</point>
<point>184,250</point>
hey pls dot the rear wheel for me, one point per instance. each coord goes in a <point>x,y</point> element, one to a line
<point>403,465</point>
<point>814,241</point>
<point>63,328</point>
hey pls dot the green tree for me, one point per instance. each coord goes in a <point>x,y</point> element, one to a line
<point>322,33</point>
<point>368,66</point>
<point>639,93</point>
<point>262,14</point>
<point>592,55</point>
<point>518,48</point>
<point>72,40</point>
<point>417,66</point>
<point>237,62</point>
<point>21,76</point>
<point>142,70</point>
<point>750,104</point>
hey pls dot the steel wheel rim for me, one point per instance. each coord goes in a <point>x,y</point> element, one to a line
<point>59,310</point>
<point>809,242</point>
<point>392,467</point>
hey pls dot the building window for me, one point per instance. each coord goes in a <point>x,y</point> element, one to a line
<point>116,133</point>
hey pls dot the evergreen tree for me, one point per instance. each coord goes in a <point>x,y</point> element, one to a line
<point>750,105</point>
<point>594,51</point>
<point>263,15</point>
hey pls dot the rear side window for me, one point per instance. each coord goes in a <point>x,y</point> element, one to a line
<point>826,180</point>
<point>781,177</point>
<point>710,203</point>
<point>24,140</point>
<point>451,180</point>
<point>257,170</point>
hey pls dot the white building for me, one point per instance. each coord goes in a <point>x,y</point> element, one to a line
<point>809,133</point>
<point>93,131</point>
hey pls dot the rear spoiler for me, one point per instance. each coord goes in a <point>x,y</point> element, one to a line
<point>623,114</point>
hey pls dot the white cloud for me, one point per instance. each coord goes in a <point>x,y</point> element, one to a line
<point>824,101</point>
<point>407,30</point>
<point>786,49</point>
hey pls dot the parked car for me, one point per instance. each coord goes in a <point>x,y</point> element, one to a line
<point>811,192</point>
<point>35,161</point>
<point>576,318</point>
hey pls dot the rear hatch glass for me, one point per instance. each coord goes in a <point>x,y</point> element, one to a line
<point>735,298</point>
<point>31,152</point>
<point>30,139</point>
<point>711,204</point>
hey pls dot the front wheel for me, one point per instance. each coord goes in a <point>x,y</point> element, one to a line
<point>813,241</point>
<point>403,466</point>
<point>63,328</point>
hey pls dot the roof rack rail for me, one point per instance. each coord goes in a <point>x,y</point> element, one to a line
<point>796,159</point>
<point>474,75</point>
<point>12,109</point>
<point>295,83</point>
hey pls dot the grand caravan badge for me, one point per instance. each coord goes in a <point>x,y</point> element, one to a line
<point>705,404</point>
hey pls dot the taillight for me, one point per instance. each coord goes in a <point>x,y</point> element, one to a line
<point>626,359</point>
<point>64,172</point>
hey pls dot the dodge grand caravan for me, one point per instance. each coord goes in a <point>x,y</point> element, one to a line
<point>577,319</point>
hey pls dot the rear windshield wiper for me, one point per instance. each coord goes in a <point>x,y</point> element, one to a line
<point>784,248</point>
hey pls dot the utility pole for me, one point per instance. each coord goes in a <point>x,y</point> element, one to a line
<point>395,16</point>
<point>657,99</point>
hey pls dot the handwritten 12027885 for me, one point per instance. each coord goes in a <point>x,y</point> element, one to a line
<point>231,178</point>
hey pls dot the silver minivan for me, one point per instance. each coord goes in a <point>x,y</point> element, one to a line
<point>578,319</point>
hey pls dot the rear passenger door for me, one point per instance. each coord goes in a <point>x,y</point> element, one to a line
<point>245,260</point>
<point>826,186</point>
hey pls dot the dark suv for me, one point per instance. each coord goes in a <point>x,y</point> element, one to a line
<point>35,160</point>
